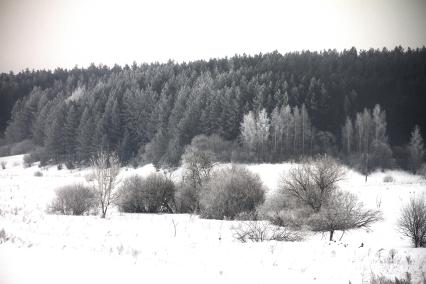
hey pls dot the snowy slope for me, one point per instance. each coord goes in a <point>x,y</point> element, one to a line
<point>123,248</point>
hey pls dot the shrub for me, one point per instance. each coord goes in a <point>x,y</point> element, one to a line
<point>230,192</point>
<point>342,212</point>
<point>152,194</point>
<point>412,222</point>
<point>22,147</point>
<point>242,155</point>
<point>381,156</point>
<point>187,198</point>
<point>69,165</point>
<point>388,178</point>
<point>247,216</point>
<point>37,155</point>
<point>28,162</point>
<point>197,168</point>
<point>383,280</point>
<point>313,182</point>
<point>283,210</point>
<point>402,157</point>
<point>197,165</point>
<point>75,199</point>
<point>259,231</point>
<point>295,218</point>
<point>5,150</point>
<point>3,236</point>
<point>220,148</point>
<point>422,171</point>
<point>38,174</point>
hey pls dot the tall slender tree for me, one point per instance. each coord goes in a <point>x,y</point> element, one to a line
<point>416,149</point>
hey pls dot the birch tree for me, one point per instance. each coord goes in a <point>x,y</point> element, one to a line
<point>416,149</point>
<point>106,167</point>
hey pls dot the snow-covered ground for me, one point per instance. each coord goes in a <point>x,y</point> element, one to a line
<point>123,248</point>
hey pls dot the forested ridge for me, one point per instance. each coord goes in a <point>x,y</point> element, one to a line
<point>150,112</point>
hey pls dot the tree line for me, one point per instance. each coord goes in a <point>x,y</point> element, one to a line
<point>296,104</point>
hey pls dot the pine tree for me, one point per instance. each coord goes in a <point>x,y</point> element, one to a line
<point>85,136</point>
<point>72,121</point>
<point>55,136</point>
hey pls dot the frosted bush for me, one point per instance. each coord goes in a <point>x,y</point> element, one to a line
<point>388,178</point>
<point>75,199</point>
<point>230,192</point>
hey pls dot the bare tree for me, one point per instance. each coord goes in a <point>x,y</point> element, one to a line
<point>347,136</point>
<point>197,165</point>
<point>412,222</point>
<point>343,212</point>
<point>313,182</point>
<point>106,167</point>
<point>260,231</point>
<point>416,149</point>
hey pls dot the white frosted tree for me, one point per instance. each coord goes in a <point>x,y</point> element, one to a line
<point>255,133</point>
<point>297,121</point>
<point>305,129</point>
<point>379,124</point>
<point>262,127</point>
<point>416,149</point>
<point>106,167</point>
<point>277,130</point>
<point>249,132</point>
<point>371,140</point>
<point>287,118</point>
<point>347,136</point>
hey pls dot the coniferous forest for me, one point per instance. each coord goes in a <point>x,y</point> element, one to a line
<point>359,105</point>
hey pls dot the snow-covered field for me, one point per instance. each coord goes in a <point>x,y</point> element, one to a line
<point>146,248</point>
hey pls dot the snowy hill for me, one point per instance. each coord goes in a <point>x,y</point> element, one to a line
<point>42,248</point>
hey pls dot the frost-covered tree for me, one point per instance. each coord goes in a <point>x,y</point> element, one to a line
<point>347,136</point>
<point>305,128</point>
<point>412,222</point>
<point>262,130</point>
<point>277,130</point>
<point>297,121</point>
<point>371,141</point>
<point>343,212</point>
<point>106,167</point>
<point>313,182</point>
<point>255,133</point>
<point>416,149</point>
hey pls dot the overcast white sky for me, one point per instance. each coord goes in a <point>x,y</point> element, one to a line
<point>45,34</point>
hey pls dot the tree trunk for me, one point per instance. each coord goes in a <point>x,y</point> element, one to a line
<point>331,235</point>
<point>104,211</point>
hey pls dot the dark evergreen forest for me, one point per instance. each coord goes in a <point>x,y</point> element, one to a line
<point>150,112</point>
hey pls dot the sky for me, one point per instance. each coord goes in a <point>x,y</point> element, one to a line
<point>46,34</point>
